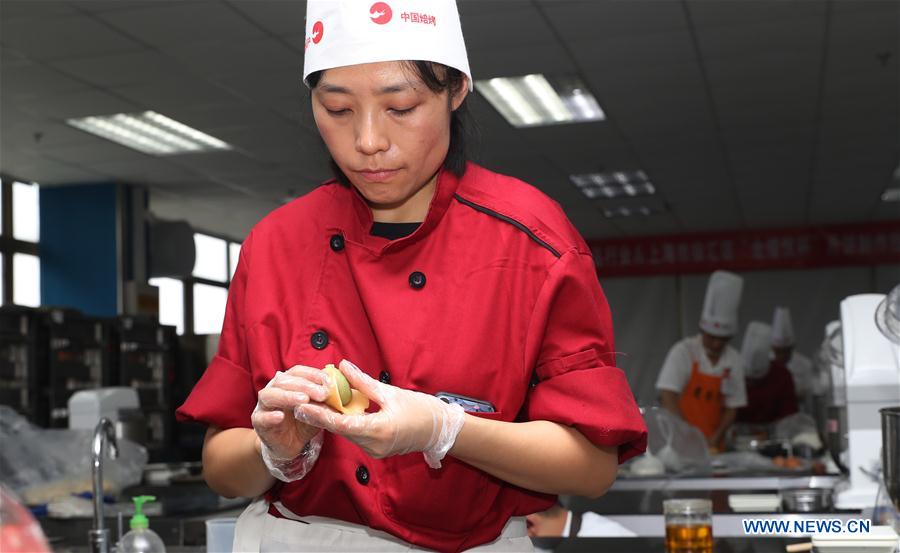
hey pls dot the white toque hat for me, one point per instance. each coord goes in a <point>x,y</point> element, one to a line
<point>351,32</point>
<point>755,349</point>
<point>782,329</point>
<point>720,307</point>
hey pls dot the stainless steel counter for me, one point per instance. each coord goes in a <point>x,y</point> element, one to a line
<point>763,482</point>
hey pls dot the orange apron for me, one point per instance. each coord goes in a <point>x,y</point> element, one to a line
<point>701,401</point>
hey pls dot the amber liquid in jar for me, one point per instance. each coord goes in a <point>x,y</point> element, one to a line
<point>681,538</point>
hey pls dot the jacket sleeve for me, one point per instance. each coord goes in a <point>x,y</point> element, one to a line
<point>570,346</point>
<point>224,396</point>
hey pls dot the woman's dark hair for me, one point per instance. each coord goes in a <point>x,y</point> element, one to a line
<point>438,78</point>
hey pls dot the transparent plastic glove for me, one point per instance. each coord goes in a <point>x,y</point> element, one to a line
<point>408,421</point>
<point>288,447</point>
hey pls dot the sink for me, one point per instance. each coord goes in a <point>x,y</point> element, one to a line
<point>181,511</point>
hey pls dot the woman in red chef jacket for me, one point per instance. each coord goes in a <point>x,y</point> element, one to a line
<point>433,275</point>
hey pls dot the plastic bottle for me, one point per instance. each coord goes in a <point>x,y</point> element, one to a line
<point>141,539</point>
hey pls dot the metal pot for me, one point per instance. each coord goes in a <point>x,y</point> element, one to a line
<point>804,500</point>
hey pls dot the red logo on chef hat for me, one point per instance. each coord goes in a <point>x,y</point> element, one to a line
<point>315,35</point>
<point>380,13</point>
<point>317,31</point>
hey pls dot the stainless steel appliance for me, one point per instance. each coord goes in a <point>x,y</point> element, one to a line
<point>890,452</point>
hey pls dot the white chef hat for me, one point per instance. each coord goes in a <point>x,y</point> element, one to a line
<point>351,32</point>
<point>720,307</point>
<point>755,349</point>
<point>782,329</point>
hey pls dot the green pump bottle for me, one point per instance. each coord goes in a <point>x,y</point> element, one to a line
<point>141,539</point>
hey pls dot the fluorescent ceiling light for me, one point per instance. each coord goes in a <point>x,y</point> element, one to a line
<point>891,195</point>
<point>631,211</point>
<point>535,100</point>
<point>614,185</point>
<point>149,132</point>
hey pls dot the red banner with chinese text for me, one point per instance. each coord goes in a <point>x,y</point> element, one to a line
<point>797,248</point>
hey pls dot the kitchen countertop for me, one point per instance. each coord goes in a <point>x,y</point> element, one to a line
<point>732,483</point>
<point>180,522</point>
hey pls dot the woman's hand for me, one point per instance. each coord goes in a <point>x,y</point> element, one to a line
<point>281,437</point>
<point>407,421</point>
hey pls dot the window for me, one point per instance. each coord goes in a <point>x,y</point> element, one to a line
<point>26,279</point>
<point>20,264</point>
<point>209,308</point>
<point>196,304</point>
<point>171,302</point>
<point>25,212</point>
<point>211,260</point>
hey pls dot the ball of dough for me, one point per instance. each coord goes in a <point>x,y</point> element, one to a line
<point>341,397</point>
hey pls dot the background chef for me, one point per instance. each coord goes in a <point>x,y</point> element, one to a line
<point>800,366</point>
<point>702,378</point>
<point>770,387</point>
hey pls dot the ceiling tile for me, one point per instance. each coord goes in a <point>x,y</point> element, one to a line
<point>220,163</point>
<point>248,58</point>
<point>579,20</point>
<point>160,96</point>
<point>523,26</point>
<point>143,172</point>
<point>81,103</point>
<point>95,150</point>
<point>781,36</point>
<point>475,8</point>
<point>591,223</point>
<point>63,38</point>
<point>649,225</point>
<point>31,80</point>
<point>172,23</point>
<point>95,6</point>
<point>277,16</point>
<point>45,171</point>
<point>548,59</point>
<point>125,69</point>
<point>43,135</point>
<point>264,87</point>
<point>600,53</point>
<point>883,6</point>
<point>19,9</point>
<point>707,14</point>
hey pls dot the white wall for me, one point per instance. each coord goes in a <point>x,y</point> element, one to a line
<point>651,313</point>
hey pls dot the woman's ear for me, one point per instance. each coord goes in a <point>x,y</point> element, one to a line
<point>457,97</point>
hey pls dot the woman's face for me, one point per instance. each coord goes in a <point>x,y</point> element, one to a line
<point>386,130</point>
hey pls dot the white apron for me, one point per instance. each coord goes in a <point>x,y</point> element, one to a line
<point>258,531</point>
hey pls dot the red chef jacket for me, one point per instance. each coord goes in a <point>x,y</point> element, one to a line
<point>495,296</point>
<point>769,398</point>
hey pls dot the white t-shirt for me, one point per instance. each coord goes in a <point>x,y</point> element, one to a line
<point>676,370</point>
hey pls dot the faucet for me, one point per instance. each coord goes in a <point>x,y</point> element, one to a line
<point>104,432</point>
